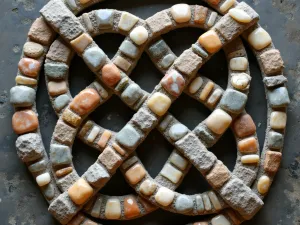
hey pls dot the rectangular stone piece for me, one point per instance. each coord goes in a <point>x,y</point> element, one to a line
<point>40,32</point>
<point>158,49</point>
<point>60,51</point>
<point>110,159</point>
<point>56,70</point>
<point>96,175</point>
<point>64,133</point>
<point>128,137</point>
<point>188,62</point>
<point>144,120</point>
<point>62,19</point>
<point>63,208</point>
<point>60,155</point>
<point>272,62</point>
<point>159,22</point>
<point>241,198</point>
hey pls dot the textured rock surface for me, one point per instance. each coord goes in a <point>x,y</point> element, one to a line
<point>30,147</point>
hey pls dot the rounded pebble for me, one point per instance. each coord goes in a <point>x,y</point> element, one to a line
<point>195,85</point>
<point>177,131</point>
<point>139,35</point>
<point>111,75</point>
<point>43,179</point>
<point>240,15</point>
<point>184,204</point>
<point>33,50</point>
<point>240,81</point>
<point>181,13</point>
<point>263,184</point>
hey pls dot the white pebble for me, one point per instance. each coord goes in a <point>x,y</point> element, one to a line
<point>259,38</point>
<point>239,64</point>
<point>248,159</point>
<point>240,81</point>
<point>240,15</point>
<point>139,35</point>
<point>195,85</point>
<point>43,179</point>
<point>181,13</point>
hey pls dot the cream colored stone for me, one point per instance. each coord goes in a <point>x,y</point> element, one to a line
<point>206,90</point>
<point>215,97</point>
<point>259,38</point>
<point>239,63</point>
<point>240,81</point>
<point>240,15</point>
<point>43,179</point>
<point>218,121</point>
<point>159,103</point>
<point>220,220</point>
<point>195,85</point>
<point>263,184</point>
<point>179,161</point>
<point>164,196</point>
<point>278,120</point>
<point>249,159</point>
<point>25,80</point>
<point>171,173</point>
<point>113,209</point>
<point>214,200</point>
<point>93,134</point>
<point>212,19</point>
<point>181,13</point>
<point>206,202</point>
<point>148,187</point>
<point>135,174</point>
<point>139,35</point>
<point>80,43</point>
<point>227,5</point>
<point>127,21</point>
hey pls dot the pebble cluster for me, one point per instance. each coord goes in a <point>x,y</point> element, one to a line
<point>68,193</point>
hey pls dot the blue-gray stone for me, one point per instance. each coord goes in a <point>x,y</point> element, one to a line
<point>38,166</point>
<point>198,50</point>
<point>22,96</point>
<point>274,81</point>
<point>60,155</point>
<point>131,94</point>
<point>48,191</point>
<point>279,97</point>
<point>233,101</point>
<point>275,140</point>
<point>129,49</point>
<point>167,61</point>
<point>184,204</point>
<point>94,57</point>
<point>61,101</point>
<point>104,18</point>
<point>56,70</point>
<point>158,49</point>
<point>177,131</point>
<point>128,137</point>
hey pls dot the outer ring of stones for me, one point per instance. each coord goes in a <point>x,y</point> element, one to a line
<point>234,52</point>
<point>270,83</point>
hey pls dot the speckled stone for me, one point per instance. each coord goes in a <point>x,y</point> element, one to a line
<point>200,14</point>
<point>173,82</point>
<point>22,96</point>
<point>64,133</point>
<point>33,50</point>
<point>218,176</point>
<point>155,24</point>
<point>60,155</point>
<point>104,18</point>
<point>272,62</point>
<point>177,131</point>
<point>184,204</point>
<point>144,120</point>
<point>29,67</point>
<point>188,62</point>
<point>279,97</point>
<point>110,159</point>
<point>38,166</point>
<point>205,136</point>
<point>167,61</point>
<point>233,101</point>
<point>96,175</point>
<point>29,148</point>
<point>129,49</point>
<point>158,49</point>
<point>128,137</point>
<point>272,161</point>
<point>274,81</point>
<point>132,94</point>
<point>94,57</point>
<point>56,70</point>
<point>40,32</point>
<point>275,140</point>
<point>61,101</point>
<point>24,121</point>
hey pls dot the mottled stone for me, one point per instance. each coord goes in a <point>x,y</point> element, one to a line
<point>206,90</point>
<point>71,118</point>
<point>128,137</point>
<point>103,93</point>
<point>248,145</point>
<point>164,196</point>
<point>122,63</point>
<point>60,155</point>
<point>104,18</point>
<point>272,62</point>
<point>184,204</point>
<point>200,51</point>
<point>80,191</point>
<point>24,121</point>
<point>181,13</point>
<point>177,131</point>
<point>263,184</point>
<point>239,15</point>
<point>43,179</point>
<point>63,172</point>
<point>56,70</point>
<point>210,41</point>
<point>33,50</point>
<point>159,21</point>
<point>144,120</point>
<point>96,175</point>
<point>218,176</point>
<point>188,62</point>
<point>158,49</point>
<point>129,49</point>
<point>274,81</point>
<point>29,67</point>
<point>64,133</point>
<point>22,96</point>
<point>122,84</point>
<point>240,81</point>
<point>61,101</point>
<point>173,82</point>
<point>113,209</point>
<point>135,174</point>
<point>57,88</point>
<point>195,85</point>
<point>233,101</point>
<point>218,121</point>
<point>244,126</point>
<point>279,97</point>
<point>94,57</point>
<point>38,166</point>
<point>220,220</point>
<point>148,187</point>
<point>110,159</point>
<point>139,35</point>
<point>167,61</point>
<point>132,94</point>
<point>165,122</point>
<point>131,208</point>
<point>40,32</point>
<point>239,63</point>
<point>171,173</point>
<point>127,21</point>
<point>111,75</point>
<point>272,161</point>
<point>85,101</point>
<point>159,103</point>
<point>214,200</point>
<point>22,80</point>
<point>259,39</point>
<point>278,120</point>
<point>49,191</point>
<point>275,140</point>
<point>200,14</point>
<point>178,161</point>
<point>30,147</point>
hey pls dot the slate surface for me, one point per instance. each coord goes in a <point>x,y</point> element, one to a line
<point>20,200</point>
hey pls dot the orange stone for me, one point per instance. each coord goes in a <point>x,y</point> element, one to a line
<point>131,208</point>
<point>213,2</point>
<point>248,145</point>
<point>135,174</point>
<point>57,88</point>
<point>104,138</point>
<point>80,191</point>
<point>111,75</point>
<point>24,121</point>
<point>210,41</point>
<point>85,101</point>
<point>29,67</point>
<point>80,43</point>
<point>63,172</point>
<point>244,126</point>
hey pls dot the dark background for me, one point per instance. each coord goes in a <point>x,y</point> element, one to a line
<point>21,202</point>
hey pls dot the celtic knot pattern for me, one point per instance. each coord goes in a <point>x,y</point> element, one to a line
<point>236,196</point>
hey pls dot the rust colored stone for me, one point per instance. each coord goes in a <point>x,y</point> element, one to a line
<point>131,208</point>
<point>244,126</point>
<point>111,75</point>
<point>63,172</point>
<point>29,67</point>
<point>219,175</point>
<point>24,121</point>
<point>272,161</point>
<point>200,14</point>
<point>173,82</point>
<point>40,32</point>
<point>85,101</point>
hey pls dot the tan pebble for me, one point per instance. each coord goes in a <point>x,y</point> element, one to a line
<point>259,39</point>
<point>164,196</point>
<point>239,63</point>
<point>227,5</point>
<point>218,121</point>
<point>57,88</point>
<point>24,121</point>
<point>120,150</point>
<point>135,174</point>
<point>110,159</point>
<point>80,43</point>
<point>195,85</point>
<point>64,171</point>
<point>263,184</point>
<point>111,75</point>
<point>206,91</point>
<point>181,13</point>
<point>122,63</point>
<point>210,41</point>
<point>25,80</point>
<point>29,67</point>
<point>80,191</point>
<point>71,118</point>
<point>148,187</point>
<point>200,14</point>
<point>33,50</point>
<point>249,159</point>
<point>113,209</point>
<point>104,138</point>
<point>159,103</point>
<point>248,145</point>
<point>278,120</point>
<point>240,15</point>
